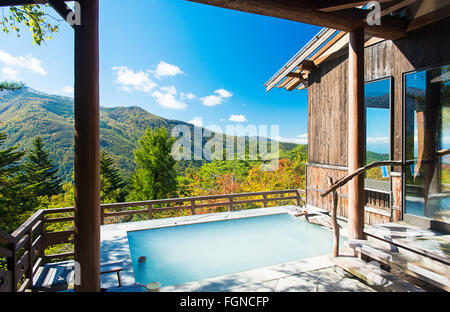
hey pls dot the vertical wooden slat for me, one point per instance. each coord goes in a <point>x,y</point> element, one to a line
<point>12,265</point>
<point>193,207</point>
<point>230,203</point>
<point>102,216</point>
<point>298,199</point>
<point>264,200</point>
<point>29,272</point>
<point>334,219</point>
<point>150,211</point>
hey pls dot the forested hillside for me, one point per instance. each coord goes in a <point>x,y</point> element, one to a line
<point>27,113</point>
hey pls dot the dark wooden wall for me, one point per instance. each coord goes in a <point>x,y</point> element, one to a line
<point>327,104</point>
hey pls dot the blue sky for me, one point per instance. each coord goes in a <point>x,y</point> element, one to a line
<point>179,60</point>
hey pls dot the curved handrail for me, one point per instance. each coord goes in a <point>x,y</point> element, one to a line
<point>341,182</point>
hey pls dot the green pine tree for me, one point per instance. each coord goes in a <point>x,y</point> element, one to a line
<point>154,176</point>
<point>17,193</point>
<point>41,170</point>
<point>10,85</point>
<point>112,184</point>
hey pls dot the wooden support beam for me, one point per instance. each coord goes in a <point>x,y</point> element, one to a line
<point>429,18</point>
<point>87,147</point>
<point>307,65</point>
<point>295,83</point>
<point>331,5</point>
<point>356,133</point>
<point>395,7</point>
<point>294,75</point>
<point>305,11</point>
<point>4,3</point>
<point>61,8</point>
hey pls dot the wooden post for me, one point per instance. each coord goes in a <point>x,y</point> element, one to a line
<point>396,201</point>
<point>102,215</point>
<point>87,148</point>
<point>298,199</point>
<point>334,223</point>
<point>230,206</point>
<point>193,207</point>
<point>11,264</point>
<point>150,211</point>
<point>264,200</point>
<point>356,133</point>
<point>42,230</point>
<point>29,272</point>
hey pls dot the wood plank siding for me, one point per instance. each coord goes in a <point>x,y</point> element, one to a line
<point>328,108</point>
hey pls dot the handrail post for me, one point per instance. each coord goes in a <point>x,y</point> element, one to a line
<point>102,215</point>
<point>30,256</point>
<point>298,198</point>
<point>150,211</point>
<point>12,265</point>
<point>265,200</point>
<point>193,207</point>
<point>230,205</point>
<point>42,231</point>
<point>334,223</point>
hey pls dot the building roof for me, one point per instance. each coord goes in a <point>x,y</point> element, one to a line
<point>329,43</point>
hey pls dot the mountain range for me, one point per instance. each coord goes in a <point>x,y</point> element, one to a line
<point>27,113</point>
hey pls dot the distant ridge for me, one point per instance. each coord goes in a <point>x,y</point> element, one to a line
<point>27,113</point>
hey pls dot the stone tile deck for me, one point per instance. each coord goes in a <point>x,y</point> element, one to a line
<point>316,274</point>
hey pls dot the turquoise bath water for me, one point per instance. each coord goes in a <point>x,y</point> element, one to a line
<point>186,253</point>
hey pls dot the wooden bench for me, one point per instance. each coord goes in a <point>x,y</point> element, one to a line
<point>112,268</point>
<point>60,276</point>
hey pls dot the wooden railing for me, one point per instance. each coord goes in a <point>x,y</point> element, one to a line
<point>25,249</point>
<point>334,186</point>
<point>192,204</point>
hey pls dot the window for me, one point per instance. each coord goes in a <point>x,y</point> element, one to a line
<point>427,136</point>
<point>377,99</point>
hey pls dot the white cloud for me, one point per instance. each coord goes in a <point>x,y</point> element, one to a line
<point>211,100</point>
<point>223,93</point>
<point>299,139</point>
<point>16,63</point>
<point>189,96</point>
<point>66,90</point>
<point>129,80</point>
<point>169,89</point>
<point>166,69</point>
<point>9,73</point>
<point>197,121</point>
<point>166,97</point>
<point>237,118</point>
<point>218,98</point>
<point>377,140</point>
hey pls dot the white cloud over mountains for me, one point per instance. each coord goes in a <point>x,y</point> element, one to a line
<point>129,80</point>
<point>14,65</point>
<point>299,139</point>
<point>165,69</point>
<point>197,121</point>
<point>167,97</point>
<point>217,98</point>
<point>237,118</point>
